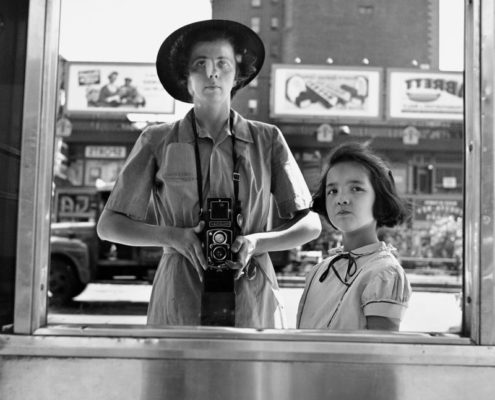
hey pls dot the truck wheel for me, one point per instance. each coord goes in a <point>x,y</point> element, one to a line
<point>64,282</point>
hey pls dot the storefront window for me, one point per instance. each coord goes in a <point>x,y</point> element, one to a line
<point>400,102</point>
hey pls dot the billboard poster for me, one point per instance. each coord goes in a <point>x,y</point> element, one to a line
<point>115,88</point>
<point>321,91</point>
<point>431,95</point>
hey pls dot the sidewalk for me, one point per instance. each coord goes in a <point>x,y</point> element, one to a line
<point>428,311</point>
<point>435,305</point>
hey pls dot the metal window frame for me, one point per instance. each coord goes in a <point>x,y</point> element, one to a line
<point>36,180</point>
<point>480,158</point>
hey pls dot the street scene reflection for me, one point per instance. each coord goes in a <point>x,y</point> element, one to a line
<point>398,93</point>
<point>125,303</point>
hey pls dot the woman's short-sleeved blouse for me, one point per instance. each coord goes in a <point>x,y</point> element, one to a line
<point>378,288</point>
<point>162,167</point>
<point>162,164</point>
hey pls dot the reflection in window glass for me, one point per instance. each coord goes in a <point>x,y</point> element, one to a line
<point>101,170</point>
<point>253,106</point>
<point>423,147</point>
<point>254,83</point>
<point>255,24</point>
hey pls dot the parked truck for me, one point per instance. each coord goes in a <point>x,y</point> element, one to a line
<point>79,256</point>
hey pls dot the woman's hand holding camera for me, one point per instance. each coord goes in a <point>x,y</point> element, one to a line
<point>244,247</point>
<point>186,241</point>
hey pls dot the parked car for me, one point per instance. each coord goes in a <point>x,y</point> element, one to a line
<point>79,256</point>
<point>69,268</point>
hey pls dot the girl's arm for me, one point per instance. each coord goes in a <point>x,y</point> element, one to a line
<point>374,322</point>
<point>386,295</point>
<point>119,228</point>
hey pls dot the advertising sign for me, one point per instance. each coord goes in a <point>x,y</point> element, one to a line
<point>116,88</point>
<point>75,203</point>
<point>432,95</point>
<point>428,210</point>
<point>105,152</point>
<point>321,91</point>
<point>104,170</point>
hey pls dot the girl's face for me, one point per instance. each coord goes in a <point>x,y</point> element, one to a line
<point>350,197</point>
<point>212,72</point>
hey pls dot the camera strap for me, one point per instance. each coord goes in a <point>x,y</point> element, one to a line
<point>235,173</point>
<point>218,297</point>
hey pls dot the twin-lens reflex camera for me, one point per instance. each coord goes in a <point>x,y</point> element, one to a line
<point>219,232</point>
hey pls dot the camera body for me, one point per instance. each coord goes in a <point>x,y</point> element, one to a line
<point>219,232</point>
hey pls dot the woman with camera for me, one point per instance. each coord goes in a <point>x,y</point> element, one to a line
<point>210,176</point>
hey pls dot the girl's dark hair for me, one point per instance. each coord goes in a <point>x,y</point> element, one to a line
<point>388,209</point>
<point>181,51</point>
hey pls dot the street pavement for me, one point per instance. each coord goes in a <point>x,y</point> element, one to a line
<point>126,303</point>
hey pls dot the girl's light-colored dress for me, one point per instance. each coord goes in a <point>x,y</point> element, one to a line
<point>378,286</point>
<point>162,165</point>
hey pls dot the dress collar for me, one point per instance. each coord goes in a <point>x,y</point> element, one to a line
<point>352,266</point>
<point>240,128</point>
<point>362,251</point>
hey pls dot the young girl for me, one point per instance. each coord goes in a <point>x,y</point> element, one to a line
<point>360,285</point>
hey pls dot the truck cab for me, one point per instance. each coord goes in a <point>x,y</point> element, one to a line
<point>78,256</point>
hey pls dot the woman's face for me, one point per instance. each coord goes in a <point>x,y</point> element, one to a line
<point>350,197</point>
<point>212,72</point>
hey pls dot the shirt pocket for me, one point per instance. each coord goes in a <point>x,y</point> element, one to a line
<point>179,162</point>
<point>179,191</point>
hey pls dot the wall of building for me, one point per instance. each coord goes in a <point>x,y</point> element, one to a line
<point>388,34</point>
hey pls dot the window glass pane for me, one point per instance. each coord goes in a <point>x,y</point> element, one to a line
<point>396,89</point>
<point>255,24</point>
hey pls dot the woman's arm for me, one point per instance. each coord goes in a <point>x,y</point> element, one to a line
<point>119,228</point>
<point>302,228</point>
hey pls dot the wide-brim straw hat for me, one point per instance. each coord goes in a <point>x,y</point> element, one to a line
<point>171,72</point>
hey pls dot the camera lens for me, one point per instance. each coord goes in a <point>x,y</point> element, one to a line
<point>219,253</point>
<point>219,237</point>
